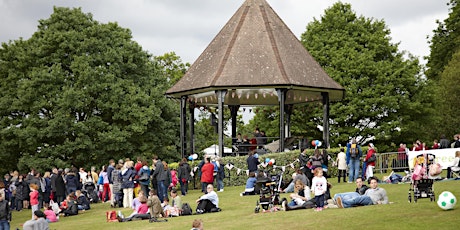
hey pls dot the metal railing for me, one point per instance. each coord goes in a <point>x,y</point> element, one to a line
<point>391,161</point>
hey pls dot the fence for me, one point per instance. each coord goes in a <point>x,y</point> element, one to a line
<point>392,161</point>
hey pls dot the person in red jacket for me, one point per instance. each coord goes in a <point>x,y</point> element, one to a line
<point>370,161</point>
<point>207,171</point>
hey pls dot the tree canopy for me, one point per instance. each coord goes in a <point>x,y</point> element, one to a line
<point>444,43</point>
<point>80,92</point>
<point>382,87</point>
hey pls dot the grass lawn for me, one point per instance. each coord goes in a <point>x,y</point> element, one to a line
<point>238,213</point>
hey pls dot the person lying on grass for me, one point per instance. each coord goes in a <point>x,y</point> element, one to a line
<point>373,195</point>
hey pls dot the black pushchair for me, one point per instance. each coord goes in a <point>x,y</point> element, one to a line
<point>89,189</point>
<point>269,189</point>
<point>421,181</point>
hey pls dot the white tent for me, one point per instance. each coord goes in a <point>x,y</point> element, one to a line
<point>214,150</point>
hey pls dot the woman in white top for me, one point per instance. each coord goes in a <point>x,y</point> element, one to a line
<point>455,166</point>
<point>341,165</point>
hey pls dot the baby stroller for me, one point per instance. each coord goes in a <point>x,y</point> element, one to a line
<point>89,189</point>
<point>270,188</point>
<point>422,178</point>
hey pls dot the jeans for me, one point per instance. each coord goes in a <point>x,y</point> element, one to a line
<point>319,200</point>
<point>350,199</point>
<point>220,184</point>
<point>290,187</point>
<point>353,166</point>
<point>4,225</point>
<point>162,192</point>
<point>183,187</point>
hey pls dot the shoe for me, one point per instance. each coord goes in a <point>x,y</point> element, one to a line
<point>316,209</point>
<point>241,194</point>
<point>284,205</point>
<point>349,182</point>
<point>221,190</point>
<point>338,200</point>
<point>119,219</point>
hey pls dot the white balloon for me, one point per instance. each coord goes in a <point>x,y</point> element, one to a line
<point>195,156</point>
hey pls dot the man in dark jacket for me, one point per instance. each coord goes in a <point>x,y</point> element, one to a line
<point>161,176</point>
<point>252,161</point>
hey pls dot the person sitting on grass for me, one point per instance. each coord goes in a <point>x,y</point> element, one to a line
<point>373,195</point>
<point>50,214</point>
<point>70,207</point>
<point>250,185</point>
<point>154,204</point>
<point>137,203</point>
<point>38,222</point>
<point>141,214</point>
<point>208,202</point>
<point>82,201</point>
<point>175,208</point>
<point>299,198</point>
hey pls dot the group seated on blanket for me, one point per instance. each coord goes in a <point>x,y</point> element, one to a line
<point>373,195</point>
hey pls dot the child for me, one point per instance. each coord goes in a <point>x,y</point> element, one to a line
<point>165,205</point>
<point>319,187</point>
<point>50,214</point>
<point>33,198</point>
<point>250,185</point>
<point>5,213</point>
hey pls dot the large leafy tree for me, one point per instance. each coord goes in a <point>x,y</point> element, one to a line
<point>444,43</point>
<point>442,65</point>
<point>448,88</point>
<point>80,92</point>
<point>382,87</point>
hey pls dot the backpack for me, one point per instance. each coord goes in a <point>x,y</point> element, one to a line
<point>372,158</point>
<point>354,151</point>
<point>186,209</point>
<point>111,216</point>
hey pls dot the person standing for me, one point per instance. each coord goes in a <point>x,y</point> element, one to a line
<point>319,188</point>
<point>5,213</point>
<point>127,184</point>
<point>341,165</point>
<point>184,176</point>
<point>354,154</point>
<point>34,198</point>
<point>161,176</point>
<point>144,177</point>
<point>220,175</point>
<point>207,172</point>
<point>252,161</point>
<point>370,161</point>
<point>110,169</point>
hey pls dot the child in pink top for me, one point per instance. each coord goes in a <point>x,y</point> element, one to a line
<point>50,214</point>
<point>33,198</point>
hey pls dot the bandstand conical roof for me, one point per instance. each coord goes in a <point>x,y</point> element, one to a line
<point>254,54</point>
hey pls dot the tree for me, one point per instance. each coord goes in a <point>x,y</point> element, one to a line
<point>79,92</point>
<point>441,68</point>
<point>448,89</point>
<point>381,85</point>
<point>444,43</point>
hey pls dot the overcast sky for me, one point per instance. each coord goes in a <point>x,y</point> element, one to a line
<point>188,26</point>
